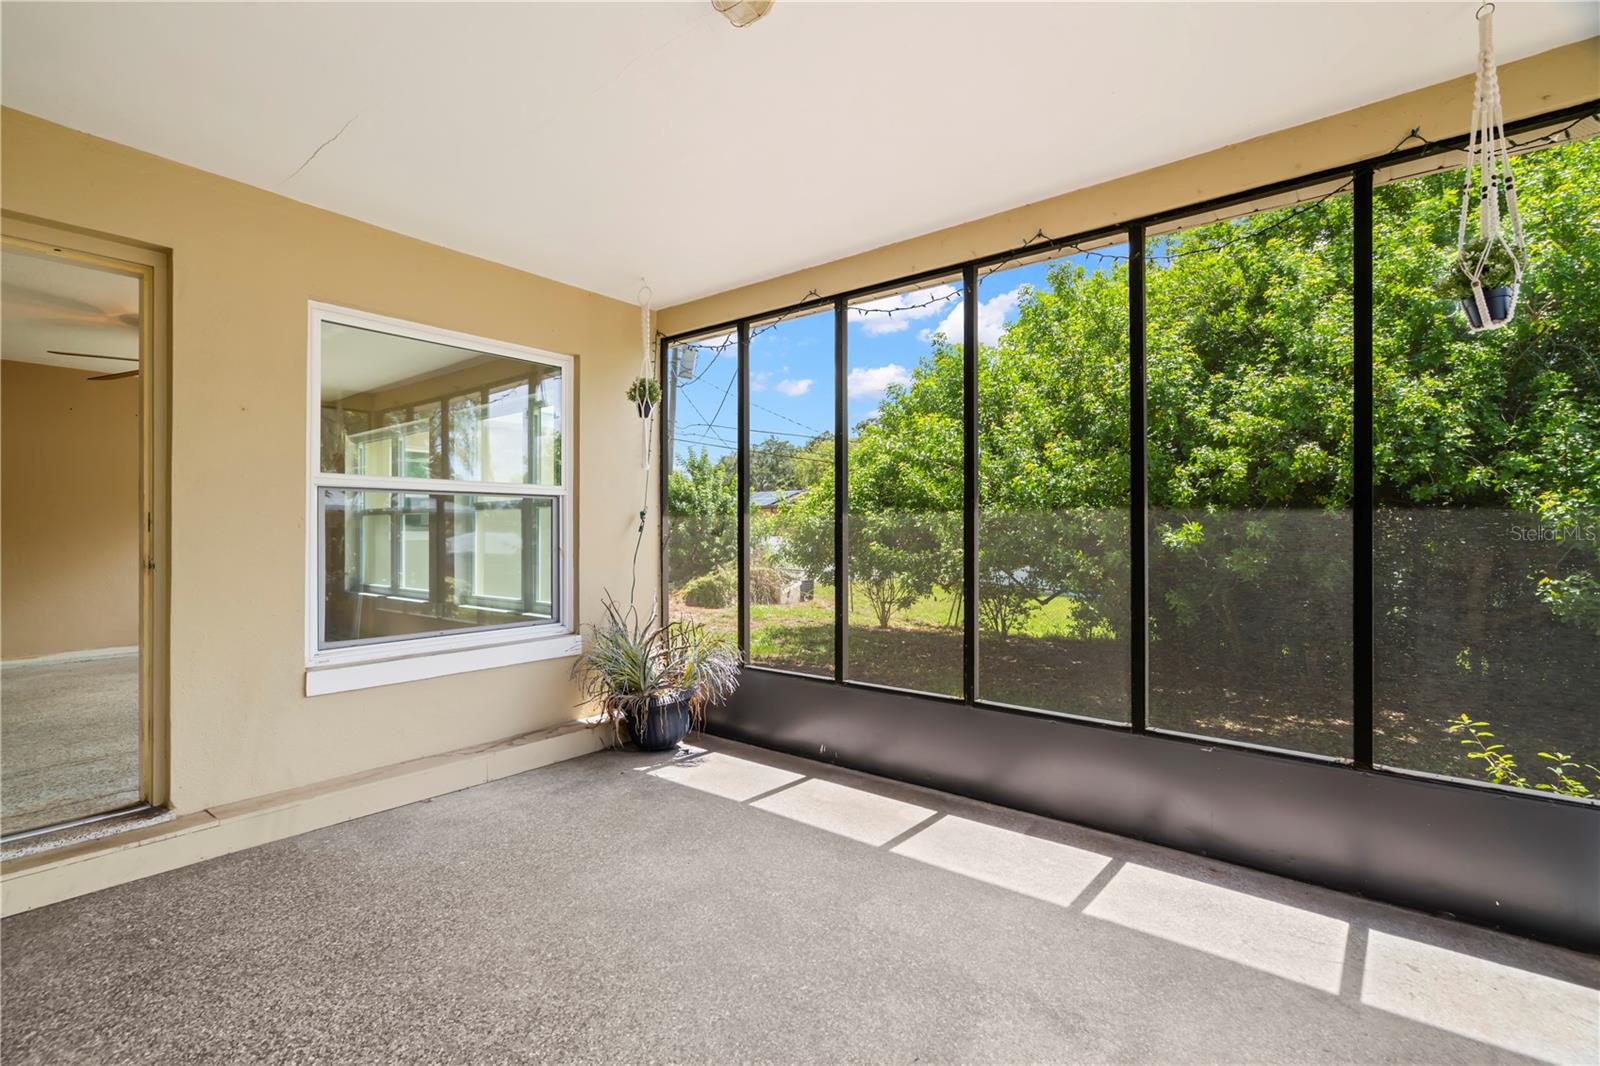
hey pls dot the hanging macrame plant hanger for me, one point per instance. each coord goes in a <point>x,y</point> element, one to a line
<point>1494,257</point>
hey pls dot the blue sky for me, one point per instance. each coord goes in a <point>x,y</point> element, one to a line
<point>791,363</point>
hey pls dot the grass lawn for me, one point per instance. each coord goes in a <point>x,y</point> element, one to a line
<point>1045,666</point>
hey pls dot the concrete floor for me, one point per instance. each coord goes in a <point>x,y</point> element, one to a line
<point>69,739</point>
<point>740,906</point>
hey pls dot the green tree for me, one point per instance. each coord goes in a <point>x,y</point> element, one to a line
<point>703,516</point>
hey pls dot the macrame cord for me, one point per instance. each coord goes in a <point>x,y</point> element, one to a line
<point>647,369</point>
<point>1488,175</point>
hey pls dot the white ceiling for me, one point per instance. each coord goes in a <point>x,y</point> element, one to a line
<point>50,306</point>
<point>604,143</point>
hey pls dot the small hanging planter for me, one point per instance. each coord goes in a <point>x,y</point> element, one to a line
<point>1484,281</point>
<point>645,393</point>
<point>1487,271</point>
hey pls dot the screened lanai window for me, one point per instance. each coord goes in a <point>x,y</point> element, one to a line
<point>1053,484</point>
<point>440,483</point>
<point>791,572</point>
<point>1486,481</point>
<point>903,532</point>
<point>702,513</point>
<point>1250,348</point>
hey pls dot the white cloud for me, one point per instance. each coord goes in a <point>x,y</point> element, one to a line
<point>991,319</point>
<point>872,380</point>
<point>908,307</point>
<point>794,388</point>
<point>758,381</point>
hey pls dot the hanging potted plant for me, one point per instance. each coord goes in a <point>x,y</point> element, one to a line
<point>1490,251</point>
<point>655,679</point>
<point>1498,280</point>
<point>645,394</point>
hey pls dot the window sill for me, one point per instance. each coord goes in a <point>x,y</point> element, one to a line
<point>397,667</point>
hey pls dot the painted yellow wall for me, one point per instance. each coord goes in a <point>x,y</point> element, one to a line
<point>244,264</point>
<point>1562,77</point>
<point>69,511</point>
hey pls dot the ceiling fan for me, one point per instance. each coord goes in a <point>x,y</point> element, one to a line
<point>114,358</point>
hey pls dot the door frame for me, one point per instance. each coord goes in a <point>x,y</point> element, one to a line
<point>153,268</point>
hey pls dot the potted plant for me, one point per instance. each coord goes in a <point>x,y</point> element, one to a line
<point>1499,282</point>
<point>656,678</point>
<point>645,394</point>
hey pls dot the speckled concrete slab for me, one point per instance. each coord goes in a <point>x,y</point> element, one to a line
<point>599,911</point>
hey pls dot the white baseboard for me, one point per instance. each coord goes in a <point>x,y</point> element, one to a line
<point>77,869</point>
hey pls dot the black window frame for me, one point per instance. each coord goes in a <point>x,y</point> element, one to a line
<point>1359,177</point>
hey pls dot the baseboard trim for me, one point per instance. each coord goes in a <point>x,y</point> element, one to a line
<point>40,879</point>
<point>84,655</point>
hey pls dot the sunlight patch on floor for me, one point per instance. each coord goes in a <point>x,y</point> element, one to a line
<point>726,776</point>
<point>1260,933</point>
<point>1043,869</point>
<point>847,811</point>
<point>1525,1012</point>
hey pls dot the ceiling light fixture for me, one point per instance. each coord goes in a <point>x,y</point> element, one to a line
<point>742,12</point>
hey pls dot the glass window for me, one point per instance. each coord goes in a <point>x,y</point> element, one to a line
<point>402,416</point>
<point>1249,346</point>
<point>702,418</point>
<point>1486,469</point>
<point>406,564</point>
<point>904,527</point>
<point>1053,533</point>
<point>791,493</point>
<point>438,411</point>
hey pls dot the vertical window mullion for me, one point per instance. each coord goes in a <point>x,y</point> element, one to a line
<point>665,375</point>
<point>1361,471</point>
<point>744,489</point>
<point>1138,490</point>
<point>437,543</point>
<point>969,483</point>
<point>841,488</point>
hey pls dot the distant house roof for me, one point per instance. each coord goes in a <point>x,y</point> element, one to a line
<point>768,500</point>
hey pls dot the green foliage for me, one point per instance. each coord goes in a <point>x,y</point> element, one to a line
<point>1500,766</point>
<point>716,589</point>
<point>767,582</point>
<point>645,391</point>
<point>777,464</point>
<point>634,662</point>
<point>1249,360</point>
<point>703,512</point>
<point>1455,279</point>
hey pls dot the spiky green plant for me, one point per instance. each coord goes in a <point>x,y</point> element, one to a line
<point>645,394</point>
<point>633,663</point>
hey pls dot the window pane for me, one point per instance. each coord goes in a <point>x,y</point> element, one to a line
<point>1487,485</point>
<point>791,493</point>
<point>1249,348</point>
<point>380,550</point>
<point>436,411</point>
<point>1053,557</point>
<point>702,488</point>
<point>905,485</point>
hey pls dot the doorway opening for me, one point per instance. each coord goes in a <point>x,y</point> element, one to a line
<point>82,548</point>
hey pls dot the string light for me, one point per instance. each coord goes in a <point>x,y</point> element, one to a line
<point>1563,133</point>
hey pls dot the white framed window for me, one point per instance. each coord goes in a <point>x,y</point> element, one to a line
<point>439,513</point>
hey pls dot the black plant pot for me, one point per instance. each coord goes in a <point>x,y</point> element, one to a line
<point>666,723</point>
<point>644,407</point>
<point>1498,301</point>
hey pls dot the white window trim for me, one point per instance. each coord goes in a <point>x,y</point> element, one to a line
<point>413,658</point>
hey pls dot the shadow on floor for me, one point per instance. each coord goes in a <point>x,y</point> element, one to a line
<point>728,904</point>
